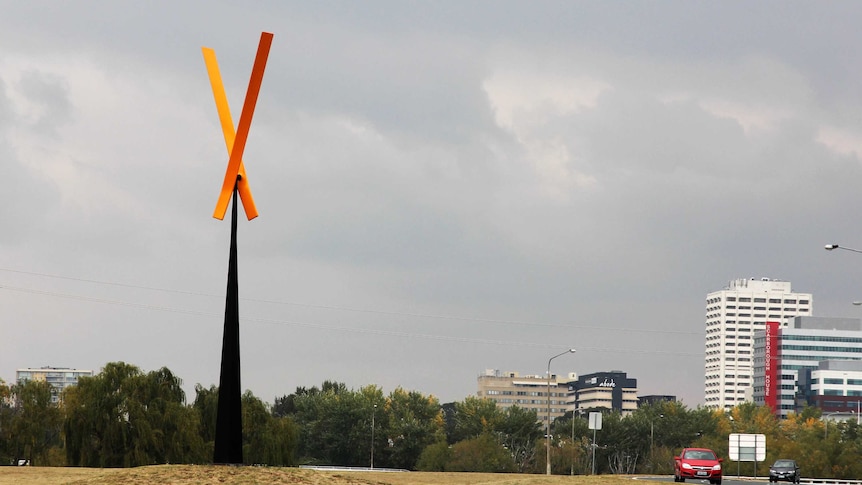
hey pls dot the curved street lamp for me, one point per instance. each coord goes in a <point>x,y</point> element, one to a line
<point>548,424</point>
<point>652,433</point>
<point>830,247</point>
<point>826,424</point>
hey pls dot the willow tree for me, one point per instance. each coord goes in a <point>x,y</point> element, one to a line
<point>36,420</point>
<point>122,417</point>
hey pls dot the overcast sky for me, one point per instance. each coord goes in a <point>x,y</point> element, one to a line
<point>444,187</point>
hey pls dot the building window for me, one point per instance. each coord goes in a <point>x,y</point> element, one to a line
<point>830,380</point>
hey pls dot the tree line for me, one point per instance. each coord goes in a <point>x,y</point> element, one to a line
<point>124,417</point>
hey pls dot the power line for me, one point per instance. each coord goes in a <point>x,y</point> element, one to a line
<point>362,310</point>
<point>390,333</point>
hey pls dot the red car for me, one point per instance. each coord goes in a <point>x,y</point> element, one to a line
<point>700,463</point>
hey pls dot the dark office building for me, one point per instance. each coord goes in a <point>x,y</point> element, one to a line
<point>605,390</point>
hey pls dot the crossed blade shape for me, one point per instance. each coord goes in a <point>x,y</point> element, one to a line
<point>235,141</point>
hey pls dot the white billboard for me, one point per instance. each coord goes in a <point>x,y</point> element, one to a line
<point>595,421</point>
<point>747,447</point>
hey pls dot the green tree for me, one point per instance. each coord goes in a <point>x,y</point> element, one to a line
<point>334,426</point>
<point>847,463</point>
<point>414,421</point>
<point>97,418</point>
<point>520,429</point>
<point>6,411</point>
<point>572,453</point>
<point>339,426</point>
<point>122,417</point>
<point>515,429</point>
<point>802,438</point>
<point>480,454</point>
<point>37,422</point>
<point>374,426</point>
<point>284,406</point>
<point>206,406</point>
<point>435,457</point>
<point>473,417</point>
<point>266,439</point>
<point>750,418</point>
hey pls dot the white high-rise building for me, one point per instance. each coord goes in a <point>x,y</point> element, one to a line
<point>732,316</point>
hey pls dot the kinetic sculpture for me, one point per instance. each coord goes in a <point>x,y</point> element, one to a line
<point>228,437</point>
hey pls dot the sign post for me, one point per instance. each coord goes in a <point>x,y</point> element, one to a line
<point>595,424</point>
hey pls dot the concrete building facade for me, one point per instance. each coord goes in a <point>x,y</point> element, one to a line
<point>613,391</point>
<point>835,387</point>
<point>809,360</point>
<point>733,315</point>
<point>529,392</point>
<point>58,377</point>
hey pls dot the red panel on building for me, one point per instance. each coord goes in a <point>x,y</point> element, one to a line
<point>772,365</point>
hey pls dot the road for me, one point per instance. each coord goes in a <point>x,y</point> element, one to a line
<point>727,480</point>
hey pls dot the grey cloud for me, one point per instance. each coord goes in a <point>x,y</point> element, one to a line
<point>50,96</point>
<point>385,183</point>
<point>28,194</point>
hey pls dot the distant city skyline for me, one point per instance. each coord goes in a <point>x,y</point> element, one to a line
<point>733,315</point>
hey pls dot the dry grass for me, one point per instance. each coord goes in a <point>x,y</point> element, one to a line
<point>227,475</point>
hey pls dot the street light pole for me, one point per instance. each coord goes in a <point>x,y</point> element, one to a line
<point>373,412</point>
<point>826,424</point>
<point>651,436</point>
<point>572,468</point>
<point>548,424</point>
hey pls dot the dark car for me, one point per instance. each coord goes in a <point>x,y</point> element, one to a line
<point>784,470</point>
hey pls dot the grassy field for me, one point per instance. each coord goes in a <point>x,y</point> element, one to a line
<point>226,475</point>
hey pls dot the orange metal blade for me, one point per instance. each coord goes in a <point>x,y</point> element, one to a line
<point>229,136</point>
<point>245,194</point>
<point>233,167</point>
